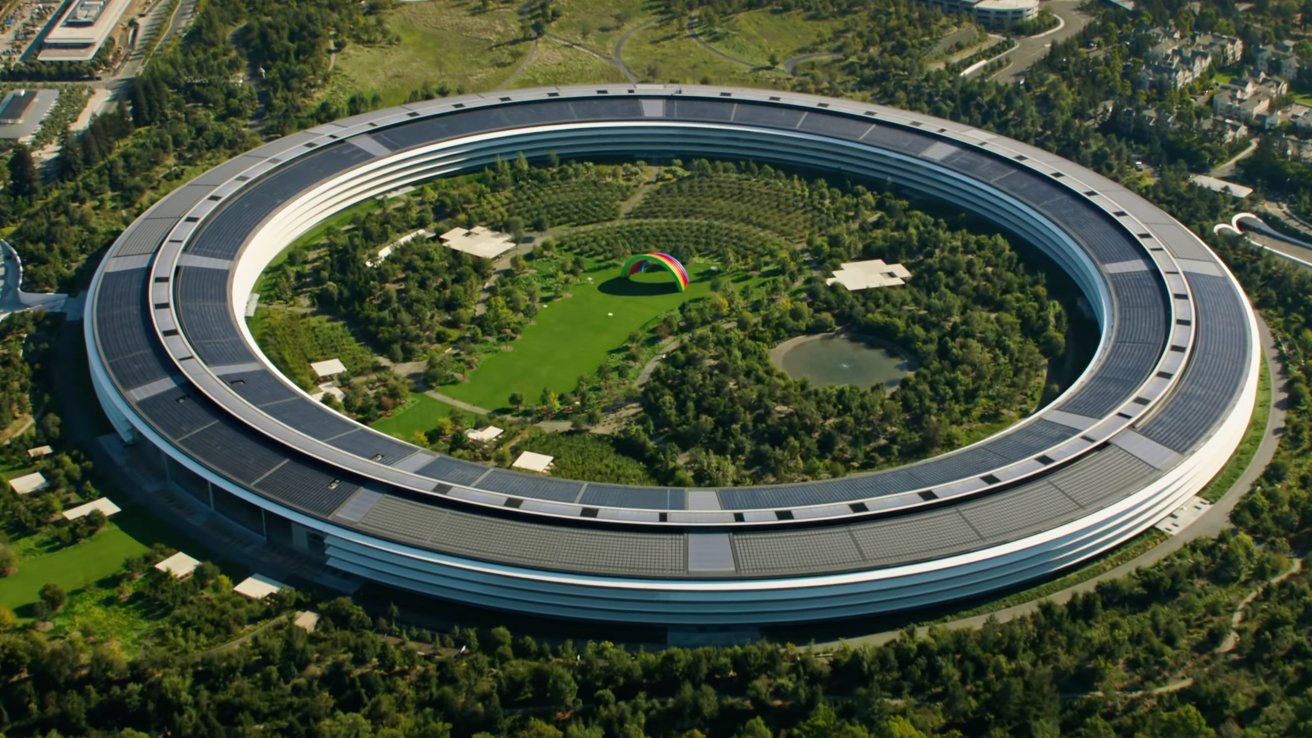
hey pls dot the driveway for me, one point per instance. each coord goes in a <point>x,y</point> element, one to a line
<point>1033,48</point>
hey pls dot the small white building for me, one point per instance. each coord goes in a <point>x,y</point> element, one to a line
<point>306,620</point>
<point>328,368</point>
<point>328,388</point>
<point>29,483</point>
<point>258,587</point>
<point>534,462</point>
<point>178,566</point>
<point>862,275</point>
<point>483,435</point>
<point>387,250</point>
<point>39,452</point>
<point>81,511</point>
<point>478,241</point>
<point>1234,189</point>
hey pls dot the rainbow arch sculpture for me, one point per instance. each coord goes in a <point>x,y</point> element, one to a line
<point>643,262</point>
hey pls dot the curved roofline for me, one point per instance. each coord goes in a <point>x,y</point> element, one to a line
<point>170,368</point>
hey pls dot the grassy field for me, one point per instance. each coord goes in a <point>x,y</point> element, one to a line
<point>572,336</point>
<point>598,24</point>
<point>442,41</point>
<point>418,415</point>
<point>453,43</point>
<point>755,35</point>
<point>555,63</point>
<point>73,567</point>
<point>664,52</point>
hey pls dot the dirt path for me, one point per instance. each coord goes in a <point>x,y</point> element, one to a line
<point>706,45</point>
<point>790,64</point>
<point>617,54</point>
<point>1232,638</point>
<point>593,53</point>
<point>640,194</point>
<point>523,64</point>
<point>244,638</point>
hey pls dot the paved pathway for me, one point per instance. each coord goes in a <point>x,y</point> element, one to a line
<point>1211,523</point>
<point>1228,167</point>
<point>1033,48</point>
<point>467,407</point>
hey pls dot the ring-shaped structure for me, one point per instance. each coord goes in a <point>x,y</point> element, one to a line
<point>1162,405</point>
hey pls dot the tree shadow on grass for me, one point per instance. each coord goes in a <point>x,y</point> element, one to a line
<point>625,287</point>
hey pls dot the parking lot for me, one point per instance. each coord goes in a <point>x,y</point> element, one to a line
<point>22,25</point>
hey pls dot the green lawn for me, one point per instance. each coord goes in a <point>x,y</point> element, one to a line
<point>572,336</point>
<point>755,35</point>
<point>598,24</point>
<point>74,568</point>
<point>664,52</point>
<point>555,63</point>
<point>418,415</point>
<point>443,41</point>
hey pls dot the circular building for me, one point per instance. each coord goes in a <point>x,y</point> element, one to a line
<point>1160,408</point>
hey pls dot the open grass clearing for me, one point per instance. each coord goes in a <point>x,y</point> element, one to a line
<point>757,34</point>
<point>664,52</point>
<point>440,42</point>
<point>73,568</point>
<point>572,336</point>
<point>419,414</point>
<point>554,63</point>
<point>598,24</point>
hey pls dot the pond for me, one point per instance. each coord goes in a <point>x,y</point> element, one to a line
<point>839,358</point>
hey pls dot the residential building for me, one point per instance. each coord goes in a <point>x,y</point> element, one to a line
<point>1250,99</point>
<point>1278,59</point>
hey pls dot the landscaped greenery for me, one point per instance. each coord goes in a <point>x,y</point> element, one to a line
<point>572,336</point>
<point>73,567</point>
<point>589,455</point>
<point>458,45</point>
<point>419,415</point>
<point>1139,656</point>
<point>557,333</point>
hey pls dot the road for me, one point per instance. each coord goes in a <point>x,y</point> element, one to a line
<point>1228,168</point>
<point>1033,48</point>
<point>1211,523</point>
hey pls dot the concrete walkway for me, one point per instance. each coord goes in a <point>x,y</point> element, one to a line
<point>1209,525</point>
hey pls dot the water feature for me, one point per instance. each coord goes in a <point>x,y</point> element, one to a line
<point>840,358</point>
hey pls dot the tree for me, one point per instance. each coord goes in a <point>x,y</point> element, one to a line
<point>8,561</point>
<point>24,182</point>
<point>53,597</point>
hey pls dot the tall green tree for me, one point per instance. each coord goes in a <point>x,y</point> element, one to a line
<point>24,181</point>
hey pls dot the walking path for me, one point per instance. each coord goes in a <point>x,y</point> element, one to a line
<point>790,64</point>
<point>523,64</point>
<point>705,45</point>
<point>1232,638</point>
<point>1227,168</point>
<point>1211,523</point>
<point>461,404</point>
<point>617,55</point>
